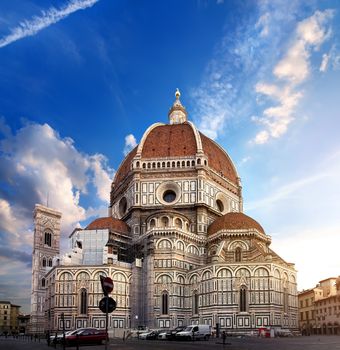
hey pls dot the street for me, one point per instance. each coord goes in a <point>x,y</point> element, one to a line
<point>295,343</point>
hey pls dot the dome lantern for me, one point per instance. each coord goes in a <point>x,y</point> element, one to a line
<point>177,113</point>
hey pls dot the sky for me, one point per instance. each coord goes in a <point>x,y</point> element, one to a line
<point>81,80</point>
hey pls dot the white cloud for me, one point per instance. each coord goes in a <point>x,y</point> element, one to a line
<point>103,176</point>
<point>263,24</point>
<point>324,63</point>
<point>37,163</point>
<point>292,70</point>
<point>51,16</point>
<point>130,143</point>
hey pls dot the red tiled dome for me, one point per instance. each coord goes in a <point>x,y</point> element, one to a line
<point>109,223</point>
<point>179,140</point>
<point>234,221</point>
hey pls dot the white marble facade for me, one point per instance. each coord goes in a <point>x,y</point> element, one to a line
<point>193,256</point>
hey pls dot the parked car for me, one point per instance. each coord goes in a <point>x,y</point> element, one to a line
<point>87,336</point>
<point>144,335</point>
<point>59,337</point>
<point>171,334</point>
<point>195,332</point>
<point>154,334</point>
<point>162,335</point>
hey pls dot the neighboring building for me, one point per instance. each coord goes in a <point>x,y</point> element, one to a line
<point>23,323</point>
<point>177,244</point>
<point>319,308</point>
<point>8,317</point>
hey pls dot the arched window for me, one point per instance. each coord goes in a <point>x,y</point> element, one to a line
<point>43,282</point>
<point>83,301</point>
<point>195,303</point>
<point>238,254</point>
<point>243,299</point>
<point>178,223</point>
<point>165,221</point>
<point>165,303</point>
<point>44,262</point>
<point>48,238</point>
<point>50,262</point>
<point>285,300</point>
<point>152,223</point>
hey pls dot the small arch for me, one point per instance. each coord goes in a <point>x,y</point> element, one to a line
<point>50,262</point>
<point>188,162</point>
<point>164,244</point>
<point>158,164</point>
<point>238,254</point>
<point>165,221</point>
<point>199,161</point>
<point>144,166</point>
<point>44,262</point>
<point>183,163</point>
<point>153,165</point>
<point>195,302</point>
<point>168,164</point>
<point>83,301</point>
<point>205,162</point>
<point>43,282</point>
<point>149,165</point>
<point>165,303</point>
<point>173,164</point>
<point>178,223</point>
<point>152,223</point>
<point>48,238</point>
<point>243,299</point>
<point>180,245</point>
<point>178,164</point>
<point>137,164</point>
<point>192,163</point>
<point>163,164</point>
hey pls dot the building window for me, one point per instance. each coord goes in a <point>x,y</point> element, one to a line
<point>243,299</point>
<point>50,262</point>
<point>83,301</point>
<point>165,303</point>
<point>44,262</point>
<point>48,238</point>
<point>238,254</point>
<point>285,300</point>
<point>195,303</point>
<point>43,282</point>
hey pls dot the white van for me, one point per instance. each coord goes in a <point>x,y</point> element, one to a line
<point>193,332</point>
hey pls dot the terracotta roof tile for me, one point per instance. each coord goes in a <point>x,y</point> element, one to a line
<point>218,159</point>
<point>110,223</point>
<point>234,221</point>
<point>176,140</point>
<point>125,167</point>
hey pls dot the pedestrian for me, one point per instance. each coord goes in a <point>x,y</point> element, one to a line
<point>224,336</point>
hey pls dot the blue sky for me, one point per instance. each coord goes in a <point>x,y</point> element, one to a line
<point>81,80</point>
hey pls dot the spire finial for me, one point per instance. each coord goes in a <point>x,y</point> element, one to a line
<point>177,94</point>
<point>177,113</point>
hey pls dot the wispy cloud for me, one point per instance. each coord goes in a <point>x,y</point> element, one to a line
<point>289,73</point>
<point>45,19</point>
<point>130,143</point>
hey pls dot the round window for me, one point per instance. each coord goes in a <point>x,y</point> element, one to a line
<point>122,206</point>
<point>169,196</point>
<point>220,205</point>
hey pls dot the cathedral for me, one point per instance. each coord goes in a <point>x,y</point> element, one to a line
<point>176,243</point>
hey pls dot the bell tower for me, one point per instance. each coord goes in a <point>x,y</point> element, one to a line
<point>46,242</point>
